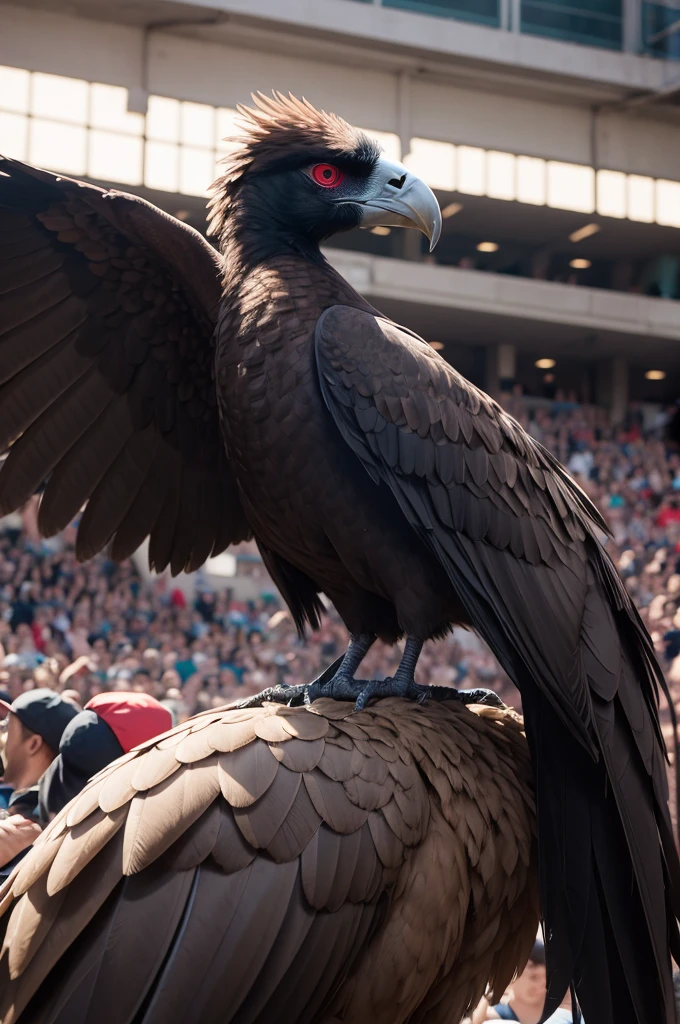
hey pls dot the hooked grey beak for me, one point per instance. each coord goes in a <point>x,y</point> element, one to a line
<point>401,199</point>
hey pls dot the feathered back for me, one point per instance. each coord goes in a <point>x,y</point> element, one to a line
<point>284,131</point>
<point>253,865</point>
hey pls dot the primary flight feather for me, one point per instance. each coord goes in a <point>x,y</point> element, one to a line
<point>198,399</point>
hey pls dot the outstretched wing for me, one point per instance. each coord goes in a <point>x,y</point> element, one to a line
<point>518,540</point>
<point>107,394</point>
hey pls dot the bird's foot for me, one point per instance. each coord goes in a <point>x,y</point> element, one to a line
<point>410,690</point>
<point>340,687</point>
<point>361,691</point>
<point>278,694</point>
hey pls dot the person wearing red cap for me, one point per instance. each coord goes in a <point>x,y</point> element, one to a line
<point>110,725</point>
<point>133,717</point>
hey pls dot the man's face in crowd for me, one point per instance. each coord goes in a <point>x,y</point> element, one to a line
<point>20,747</point>
<point>531,984</point>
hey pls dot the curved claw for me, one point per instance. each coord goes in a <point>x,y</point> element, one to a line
<point>370,690</point>
<point>481,696</point>
<point>390,687</point>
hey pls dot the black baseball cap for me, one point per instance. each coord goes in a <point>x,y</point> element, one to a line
<point>45,712</point>
<point>87,746</point>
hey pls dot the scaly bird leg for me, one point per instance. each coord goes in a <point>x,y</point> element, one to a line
<point>338,682</point>
<point>402,683</point>
<point>343,685</point>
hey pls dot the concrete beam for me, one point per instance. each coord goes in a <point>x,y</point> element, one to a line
<point>481,291</point>
<point>448,38</point>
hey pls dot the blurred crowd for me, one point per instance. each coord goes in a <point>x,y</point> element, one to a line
<point>111,638</point>
<point>84,629</point>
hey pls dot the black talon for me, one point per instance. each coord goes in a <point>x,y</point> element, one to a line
<point>481,696</point>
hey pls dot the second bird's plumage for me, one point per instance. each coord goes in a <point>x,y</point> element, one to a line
<point>283,865</point>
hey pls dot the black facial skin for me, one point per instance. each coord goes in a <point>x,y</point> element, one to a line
<point>286,211</point>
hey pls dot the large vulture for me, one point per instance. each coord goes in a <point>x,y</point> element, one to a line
<point>198,398</point>
<point>283,866</point>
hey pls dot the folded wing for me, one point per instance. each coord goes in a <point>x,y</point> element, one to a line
<point>518,540</point>
<point>107,394</point>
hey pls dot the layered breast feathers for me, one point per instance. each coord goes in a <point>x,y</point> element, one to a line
<point>107,394</point>
<point>273,863</point>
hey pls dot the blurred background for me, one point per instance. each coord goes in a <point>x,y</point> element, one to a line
<point>550,132</point>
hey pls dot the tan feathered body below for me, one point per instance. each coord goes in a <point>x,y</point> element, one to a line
<point>283,865</point>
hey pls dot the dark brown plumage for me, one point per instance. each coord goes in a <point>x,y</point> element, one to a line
<point>283,864</point>
<point>366,468</point>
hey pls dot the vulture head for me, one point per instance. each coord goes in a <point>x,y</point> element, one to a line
<point>299,175</point>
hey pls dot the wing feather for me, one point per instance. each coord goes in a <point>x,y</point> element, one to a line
<point>520,543</point>
<point>107,314</point>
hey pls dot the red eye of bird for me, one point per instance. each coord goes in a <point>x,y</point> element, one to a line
<point>326,175</point>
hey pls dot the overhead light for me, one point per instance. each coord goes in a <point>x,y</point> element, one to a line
<point>436,345</point>
<point>548,378</point>
<point>585,232</point>
<point>451,210</point>
<point>545,364</point>
<point>579,264</point>
<point>488,247</point>
<point>380,230</point>
<point>655,374</point>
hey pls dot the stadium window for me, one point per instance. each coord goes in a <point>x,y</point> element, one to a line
<point>640,198</point>
<point>388,142</point>
<point>500,175</point>
<point>161,166</point>
<point>78,127</point>
<point>15,86</point>
<point>108,110</point>
<point>60,99</point>
<point>471,170</point>
<point>197,124</point>
<point>14,135</point>
<point>196,167</point>
<point>611,194</point>
<point>113,156</point>
<point>571,187</point>
<point>59,146</point>
<point>434,162</point>
<point>531,186</point>
<point>227,129</point>
<point>227,125</point>
<point>162,119</point>
<point>668,203</point>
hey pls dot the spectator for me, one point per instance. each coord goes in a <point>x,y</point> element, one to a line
<point>526,996</point>
<point>34,725</point>
<point>102,627</point>
<point>110,726</point>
